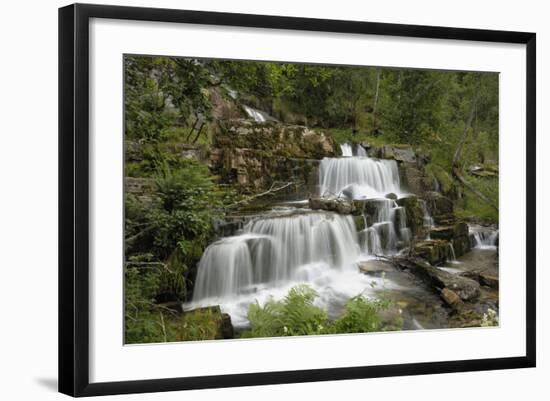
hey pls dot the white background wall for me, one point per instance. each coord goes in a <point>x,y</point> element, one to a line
<point>28,199</point>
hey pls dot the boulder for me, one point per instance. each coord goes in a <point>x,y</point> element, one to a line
<point>449,232</point>
<point>213,314</point>
<point>441,207</point>
<point>402,153</point>
<point>338,205</point>
<point>489,280</point>
<point>414,213</point>
<point>466,289</point>
<point>434,252</point>
<point>484,278</point>
<point>376,267</point>
<point>451,298</point>
<point>462,245</point>
<point>391,196</point>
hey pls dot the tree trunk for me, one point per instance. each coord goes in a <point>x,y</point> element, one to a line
<point>376,93</point>
<point>456,159</point>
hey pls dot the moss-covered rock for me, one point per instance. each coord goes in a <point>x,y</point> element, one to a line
<point>461,244</point>
<point>449,232</point>
<point>434,252</point>
<point>254,155</point>
<point>441,207</point>
<point>465,288</point>
<point>360,223</point>
<point>338,205</point>
<point>414,213</point>
<point>207,323</point>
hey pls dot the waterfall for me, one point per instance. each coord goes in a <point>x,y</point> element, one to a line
<point>361,152</point>
<point>271,250</point>
<point>348,150</point>
<point>428,219</point>
<point>484,238</point>
<point>258,115</point>
<point>362,177</point>
<point>275,251</point>
<point>452,256</point>
<point>388,231</point>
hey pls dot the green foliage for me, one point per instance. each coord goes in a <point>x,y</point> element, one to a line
<point>161,92</point>
<point>181,215</point>
<point>148,322</point>
<point>141,325</point>
<point>296,314</point>
<point>472,209</point>
<point>360,316</point>
<point>444,179</point>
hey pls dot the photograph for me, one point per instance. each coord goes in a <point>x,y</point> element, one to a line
<point>268,199</point>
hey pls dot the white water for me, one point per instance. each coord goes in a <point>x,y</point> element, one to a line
<point>360,177</point>
<point>278,252</point>
<point>272,250</point>
<point>284,248</point>
<point>348,150</point>
<point>452,256</point>
<point>484,238</point>
<point>258,115</point>
<point>428,219</point>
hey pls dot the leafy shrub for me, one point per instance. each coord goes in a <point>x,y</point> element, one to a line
<point>296,315</point>
<point>360,316</point>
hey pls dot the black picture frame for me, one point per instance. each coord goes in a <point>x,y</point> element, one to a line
<point>74,198</point>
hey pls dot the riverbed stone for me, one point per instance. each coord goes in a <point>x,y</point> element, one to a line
<point>451,298</point>
<point>489,280</point>
<point>467,289</point>
<point>376,267</point>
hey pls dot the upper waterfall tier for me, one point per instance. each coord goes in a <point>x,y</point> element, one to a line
<point>348,150</point>
<point>359,177</point>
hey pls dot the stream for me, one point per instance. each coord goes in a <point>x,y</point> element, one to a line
<point>289,244</point>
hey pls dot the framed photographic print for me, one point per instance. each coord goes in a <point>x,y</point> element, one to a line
<point>249,199</point>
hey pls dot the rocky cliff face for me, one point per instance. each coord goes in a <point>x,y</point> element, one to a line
<point>254,156</point>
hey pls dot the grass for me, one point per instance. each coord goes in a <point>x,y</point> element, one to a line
<point>471,208</point>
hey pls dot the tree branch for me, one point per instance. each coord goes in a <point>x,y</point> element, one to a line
<point>270,191</point>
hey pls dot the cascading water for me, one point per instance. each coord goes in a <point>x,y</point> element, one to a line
<point>388,232</point>
<point>428,219</point>
<point>274,252</point>
<point>258,115</point>
<point>361,177</point>
<point>271,250</point>
<point>452,256</point>
<point>484,238</point>
<point>348,150</point>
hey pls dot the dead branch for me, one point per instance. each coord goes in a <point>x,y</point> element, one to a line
<point>456,173</point>
<point>270,191</point>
